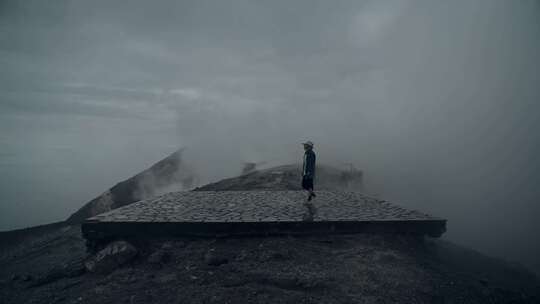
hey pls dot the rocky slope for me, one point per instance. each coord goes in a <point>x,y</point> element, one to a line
<point>47,266</point>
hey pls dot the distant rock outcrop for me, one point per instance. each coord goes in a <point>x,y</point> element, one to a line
<point>287,177</point>
<point>169,174</point>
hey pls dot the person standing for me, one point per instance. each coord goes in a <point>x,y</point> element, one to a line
<point>308,169</point>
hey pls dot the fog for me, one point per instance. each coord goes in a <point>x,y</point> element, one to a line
<point>436,101</point>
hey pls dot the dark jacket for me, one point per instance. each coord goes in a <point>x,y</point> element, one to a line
<point>308,167</point>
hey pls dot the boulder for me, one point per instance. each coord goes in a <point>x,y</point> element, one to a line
<point>111,257</point>
<point>211,258</point>
<point>159,256</point>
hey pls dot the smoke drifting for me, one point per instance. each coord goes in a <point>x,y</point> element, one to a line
<point>435,101</point>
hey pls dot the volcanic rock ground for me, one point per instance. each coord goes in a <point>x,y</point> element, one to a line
<point>45,265</point>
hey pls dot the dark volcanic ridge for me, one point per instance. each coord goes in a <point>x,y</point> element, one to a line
<point>169,174</point>
<point>288,177</point>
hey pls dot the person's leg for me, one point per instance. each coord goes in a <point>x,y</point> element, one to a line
<point>309,186</point>
<point>305,185</point>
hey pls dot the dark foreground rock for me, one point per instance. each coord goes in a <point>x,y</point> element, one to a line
<point>161,255</point>
<point>111,257</point>
<point>361,268</point>
<point>212,258</point>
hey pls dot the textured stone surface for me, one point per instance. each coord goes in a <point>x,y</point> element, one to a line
<point>259,206</point>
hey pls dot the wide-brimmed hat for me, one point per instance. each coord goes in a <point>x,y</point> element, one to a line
<point>309,143</point>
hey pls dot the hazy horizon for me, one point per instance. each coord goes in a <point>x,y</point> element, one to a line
<point>436,101</point>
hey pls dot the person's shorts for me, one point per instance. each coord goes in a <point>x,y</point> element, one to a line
<point>307,183</point>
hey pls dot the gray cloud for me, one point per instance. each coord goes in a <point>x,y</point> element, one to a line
<point>437,101</point>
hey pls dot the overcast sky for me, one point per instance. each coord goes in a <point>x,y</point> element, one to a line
<point>437,101</point>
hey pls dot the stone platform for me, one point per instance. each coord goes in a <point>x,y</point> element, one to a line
<point>237,213</point>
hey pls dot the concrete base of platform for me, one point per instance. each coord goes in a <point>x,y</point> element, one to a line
<point>90,230</point>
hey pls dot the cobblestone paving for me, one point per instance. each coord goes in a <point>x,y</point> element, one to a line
<point>259,206</point>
